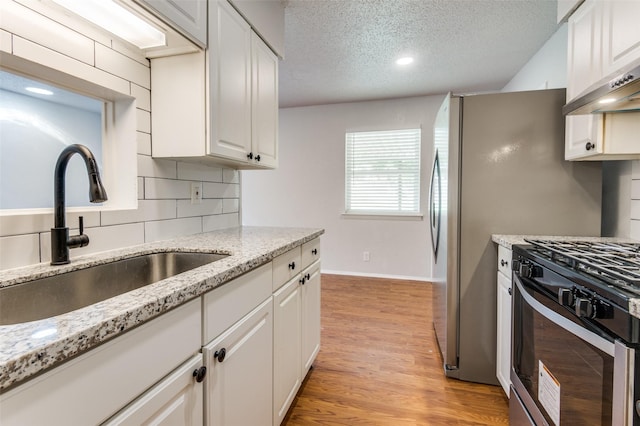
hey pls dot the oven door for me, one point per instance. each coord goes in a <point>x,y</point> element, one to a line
<point>564,373</point>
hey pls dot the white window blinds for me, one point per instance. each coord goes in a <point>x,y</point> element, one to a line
<point>382,172</point>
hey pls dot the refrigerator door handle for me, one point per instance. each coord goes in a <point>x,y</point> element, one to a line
<point>435,205</point>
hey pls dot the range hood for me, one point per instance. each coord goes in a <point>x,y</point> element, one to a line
<point>619,94</point>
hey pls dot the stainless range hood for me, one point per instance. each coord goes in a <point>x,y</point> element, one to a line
<point>619,94</point>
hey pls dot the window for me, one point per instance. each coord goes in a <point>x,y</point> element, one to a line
<point>37,121</point>
<point>382,172</point>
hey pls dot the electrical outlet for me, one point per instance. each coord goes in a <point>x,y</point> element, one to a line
<point>365,256</point>
<point>196,192</point>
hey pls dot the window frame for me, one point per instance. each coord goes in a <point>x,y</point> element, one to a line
<point>397,214</point>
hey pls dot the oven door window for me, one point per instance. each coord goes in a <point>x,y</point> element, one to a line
<point>569,380</point>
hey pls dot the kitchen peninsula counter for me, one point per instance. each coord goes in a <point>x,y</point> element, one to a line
<point>27,349</point>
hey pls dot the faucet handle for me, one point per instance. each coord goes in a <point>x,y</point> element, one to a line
<point>81,225</point>
<point>80,240</point>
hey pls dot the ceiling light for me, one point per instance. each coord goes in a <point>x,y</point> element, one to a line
<point>404,61</point>
<point>607,100</point>
<point>117,20</point>
<point>39,91</point>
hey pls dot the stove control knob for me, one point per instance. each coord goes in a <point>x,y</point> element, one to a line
<point>585,308</point>
<point>526,269</point>
<point>565,297</point>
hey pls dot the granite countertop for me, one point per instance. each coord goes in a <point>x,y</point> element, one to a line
<point>509,240</point>
<point>29,348</point>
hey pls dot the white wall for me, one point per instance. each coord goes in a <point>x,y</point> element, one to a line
<point>31,40</point>
<point>308,187</point>
<point>547,69</point>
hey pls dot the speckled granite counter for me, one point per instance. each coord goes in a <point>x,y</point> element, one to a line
<point>29,348</point>
<point>508,240</point>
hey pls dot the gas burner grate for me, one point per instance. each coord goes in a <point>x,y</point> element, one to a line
<point>615,262</point>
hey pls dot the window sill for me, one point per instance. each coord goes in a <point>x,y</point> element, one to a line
<point>383,216</point>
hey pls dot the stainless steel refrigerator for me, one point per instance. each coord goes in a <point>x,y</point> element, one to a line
<point>498,168</point>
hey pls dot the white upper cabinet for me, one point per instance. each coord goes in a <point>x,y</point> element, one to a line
<point>187,16</point>
<point>603,40</point>
<point>620,35</point>
<point>218,106</point>
<point>267,19</point>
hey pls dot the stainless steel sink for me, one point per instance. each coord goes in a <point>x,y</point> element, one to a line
<point>59,294</point>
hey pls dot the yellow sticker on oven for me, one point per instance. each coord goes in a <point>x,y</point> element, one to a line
<point>549,393</point>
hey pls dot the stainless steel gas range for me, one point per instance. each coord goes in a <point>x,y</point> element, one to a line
<point>575,340</point>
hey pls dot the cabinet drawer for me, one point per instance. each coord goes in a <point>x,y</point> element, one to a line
<point>504,261</point>
<point>224,306</point>
<point>91,388</point>
<point>285,267</point>
<point>310,252</point>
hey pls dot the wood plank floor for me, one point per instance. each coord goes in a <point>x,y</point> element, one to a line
<point>379,363</point>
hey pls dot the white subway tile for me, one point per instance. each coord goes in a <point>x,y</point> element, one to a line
<point>142,95</point>
<point>19,224</point>
<point>635,169</point>
<point>230,176</point>
<point>221,190</point>
<point>116,63</point>
<point>147,210</point>
<point>635,209</point>
<point>206,207</point>
<point>221,221</point>
<point>144,143</point>
<point>165,229</point>
<point>128,51</point>
<point>152,167</point>
<point>230,205</point>
<point>143,121</point>
<point>635,230</point>
<point>100,239</point>
<point>635,189</point>
<point>49,58</point>
<point>199,172</point>
<point>166,189</point>
<point>19,250</point>
<point>5,42</point>
<point>41,30</point>
<point>140,188</point>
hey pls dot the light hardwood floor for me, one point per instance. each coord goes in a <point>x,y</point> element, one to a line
<point>379,363</point>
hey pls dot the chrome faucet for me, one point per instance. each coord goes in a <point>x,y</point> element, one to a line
<point>61,242</point>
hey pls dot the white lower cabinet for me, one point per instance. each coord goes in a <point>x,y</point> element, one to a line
<point>503,348</point>
<point>93,387</point>
<point>310,316</point>
<point>175,401</point>
<point>287,359</point>
<point>239,378</point>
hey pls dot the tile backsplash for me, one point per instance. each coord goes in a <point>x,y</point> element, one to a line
<point>635,200</point>
<point>164,186</point>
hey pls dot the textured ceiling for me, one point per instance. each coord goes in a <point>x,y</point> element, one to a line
<point>345,50</point>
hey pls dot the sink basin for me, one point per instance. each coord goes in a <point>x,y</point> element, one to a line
<point>59,294</point>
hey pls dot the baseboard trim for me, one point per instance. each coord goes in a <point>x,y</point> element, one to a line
<point>388,276</point>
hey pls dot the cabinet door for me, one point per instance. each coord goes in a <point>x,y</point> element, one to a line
<point>310,316</point>
<point>175,401</point>
<point>620,35</point>
<point>264,104</point>
<point>188,16</point>
<point>503,351</point>
<point>230,83</point>
<point>239,383</point>
<point>286,347</point>
<point>583,136</point>
<point>584,49</point>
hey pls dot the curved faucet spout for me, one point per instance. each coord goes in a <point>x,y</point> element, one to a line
<point>60,240</point>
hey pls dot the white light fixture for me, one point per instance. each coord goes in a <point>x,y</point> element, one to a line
<point>404,61</point>
<point>607,101</point>
<point>39,91</point>
<point>117,20</point>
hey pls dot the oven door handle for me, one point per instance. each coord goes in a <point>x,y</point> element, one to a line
<point>573,328</point>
